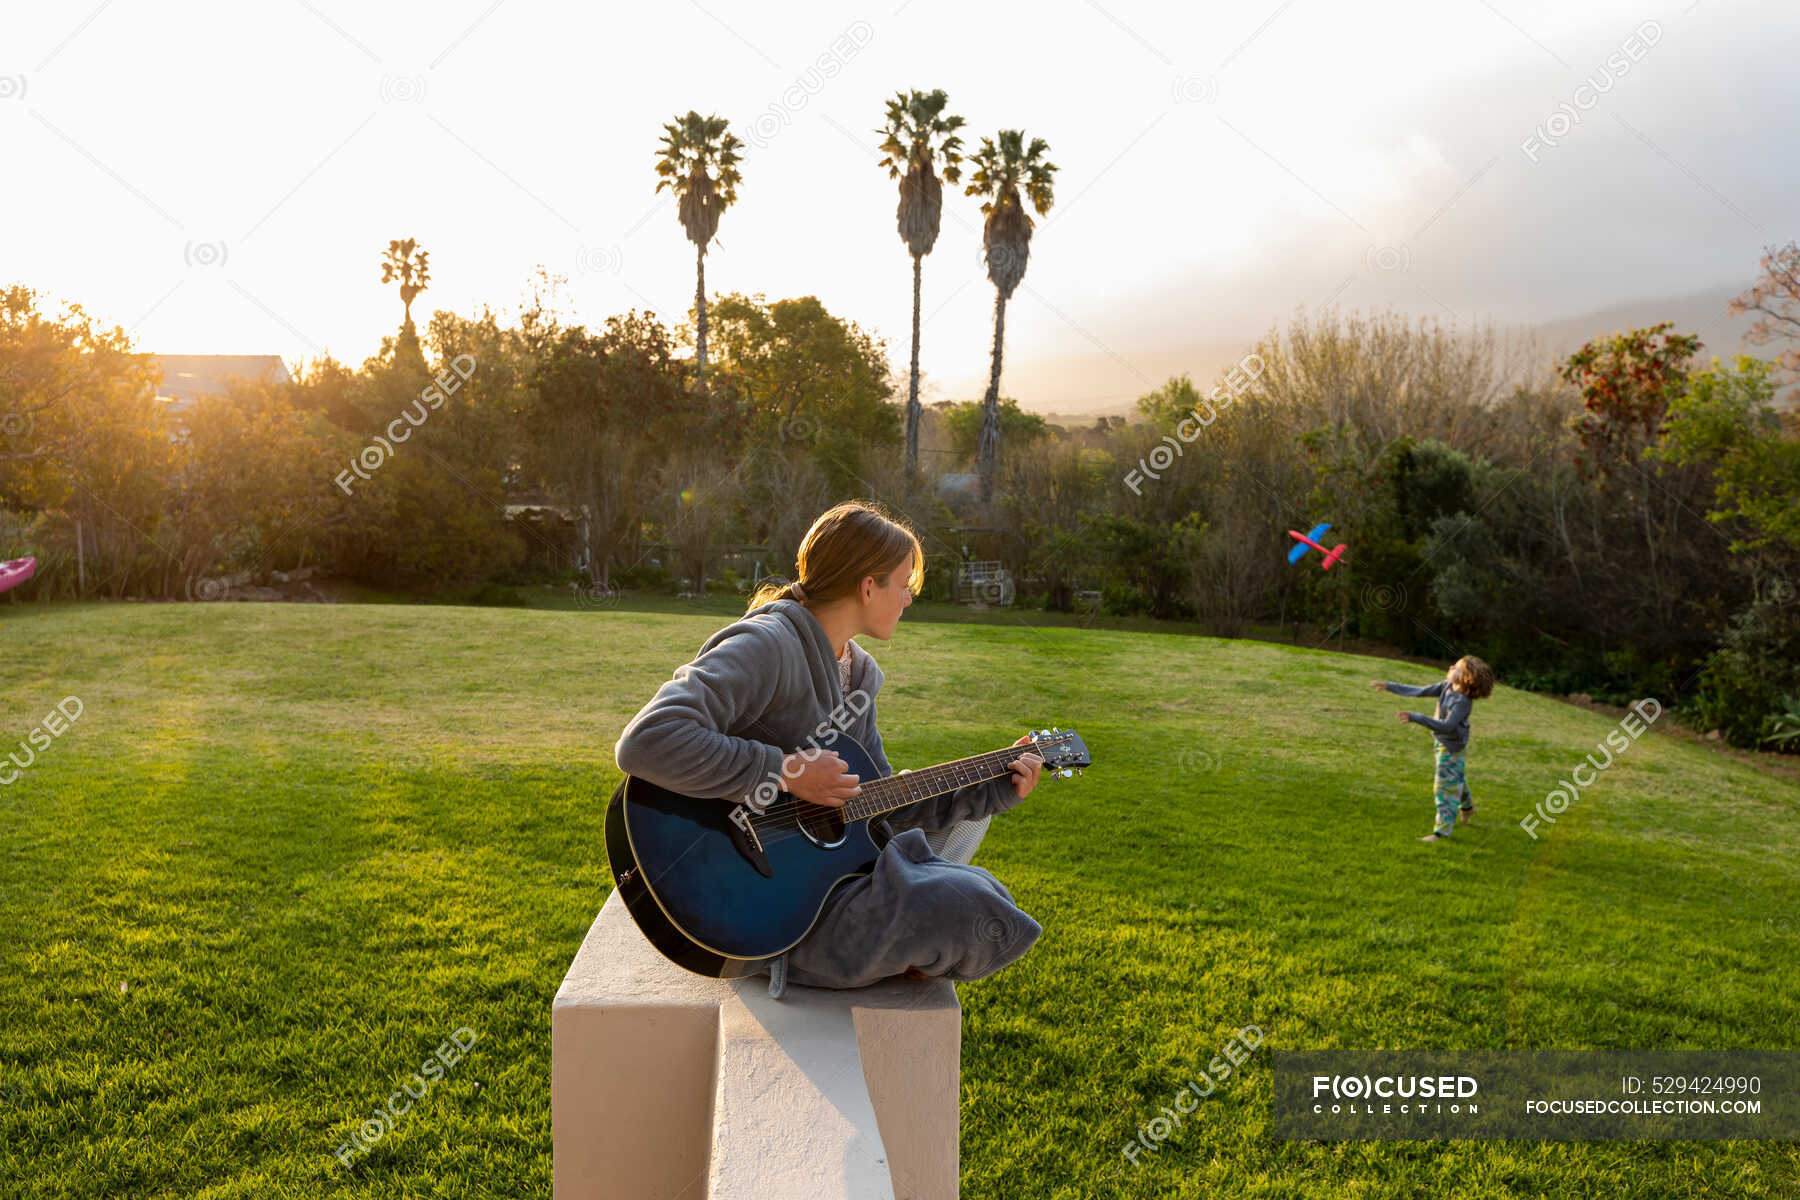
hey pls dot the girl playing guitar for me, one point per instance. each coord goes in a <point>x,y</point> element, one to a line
<point>722,725</point>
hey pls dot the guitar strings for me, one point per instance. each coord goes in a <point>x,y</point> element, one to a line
<point>900,795</point>
<point>775,815</point>
<point>785,814</point>
<point>785,809</point>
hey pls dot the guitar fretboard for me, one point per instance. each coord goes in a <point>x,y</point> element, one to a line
<point>897,791</point>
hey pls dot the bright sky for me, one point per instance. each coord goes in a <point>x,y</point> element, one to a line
<point>223,177</point>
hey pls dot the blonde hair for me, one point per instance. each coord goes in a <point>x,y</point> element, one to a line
<point>848,543</point>
<point>1472,677</point>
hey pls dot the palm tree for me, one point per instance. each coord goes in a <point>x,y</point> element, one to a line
<point>413,270</point>
<point>1000,171</point>
<point>912,122</point>
<point>699,163</point>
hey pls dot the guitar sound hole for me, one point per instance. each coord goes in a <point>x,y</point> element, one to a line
<point>824,827</point>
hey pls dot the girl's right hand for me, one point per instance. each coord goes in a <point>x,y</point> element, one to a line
<point>823,779</point>
<point>1377,684</point>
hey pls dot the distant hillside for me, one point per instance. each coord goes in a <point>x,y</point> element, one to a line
<point>1701,312</point>
<point>1107,385</point>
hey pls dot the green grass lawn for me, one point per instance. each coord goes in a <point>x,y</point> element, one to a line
<point>287,850</point>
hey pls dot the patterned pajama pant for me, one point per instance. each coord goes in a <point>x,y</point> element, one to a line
<point>1451,790</point>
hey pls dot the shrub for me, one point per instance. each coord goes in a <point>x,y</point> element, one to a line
<point>1745,683</point>
<point>641,577</point>
<point>496,595</point>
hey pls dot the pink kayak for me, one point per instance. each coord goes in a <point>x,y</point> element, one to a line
<point>16,571</point>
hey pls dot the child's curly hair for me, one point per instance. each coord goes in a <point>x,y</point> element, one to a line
<point>1472,677</point>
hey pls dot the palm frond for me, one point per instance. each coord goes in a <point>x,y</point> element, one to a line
<point>699,163</point>
<point>917,133</point>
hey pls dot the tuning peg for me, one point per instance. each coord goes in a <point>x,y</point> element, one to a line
<point>1067,771</point>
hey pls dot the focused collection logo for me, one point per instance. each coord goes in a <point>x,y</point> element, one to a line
<point>1377,1094</point>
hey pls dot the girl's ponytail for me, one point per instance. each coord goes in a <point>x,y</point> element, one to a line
<point>773,589</point>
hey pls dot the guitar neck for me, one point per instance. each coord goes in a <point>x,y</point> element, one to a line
<point>897,791</point>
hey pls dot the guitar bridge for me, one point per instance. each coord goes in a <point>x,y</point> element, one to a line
<point>743,836</point>
<point>741,818</point>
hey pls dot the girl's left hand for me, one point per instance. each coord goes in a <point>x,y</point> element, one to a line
<point>1404,715</point>
<point>1025,769</point>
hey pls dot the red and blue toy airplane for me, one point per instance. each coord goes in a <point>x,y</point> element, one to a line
<point>1310,541</point>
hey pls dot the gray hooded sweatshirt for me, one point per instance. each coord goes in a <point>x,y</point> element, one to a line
<point>760,688</point>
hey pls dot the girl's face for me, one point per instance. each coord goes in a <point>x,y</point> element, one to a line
<point>883,604</point>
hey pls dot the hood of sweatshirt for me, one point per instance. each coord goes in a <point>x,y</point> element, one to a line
<point>794,622</point>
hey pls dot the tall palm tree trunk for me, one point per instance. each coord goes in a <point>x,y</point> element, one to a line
<point>590,505</point>
<point>700,309</point>
<point>988,449</point>
<point>913,410</point>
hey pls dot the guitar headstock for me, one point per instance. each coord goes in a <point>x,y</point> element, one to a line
<point>1063,751</point>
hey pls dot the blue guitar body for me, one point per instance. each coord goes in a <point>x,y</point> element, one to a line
<point>696,886</point>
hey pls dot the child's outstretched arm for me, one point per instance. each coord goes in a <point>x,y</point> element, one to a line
<point>1455,707</point>
<point>1401,689</point>
<point>1431,723</point>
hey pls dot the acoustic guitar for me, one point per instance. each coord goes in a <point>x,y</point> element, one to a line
<point>720,888</point>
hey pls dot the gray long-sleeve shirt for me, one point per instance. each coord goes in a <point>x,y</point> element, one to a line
<point>1451,724</point>
<point>758,689</point>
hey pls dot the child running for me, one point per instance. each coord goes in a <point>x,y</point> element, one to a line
<point>1468,680</point>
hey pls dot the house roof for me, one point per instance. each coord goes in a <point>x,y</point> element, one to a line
<point>187,377</point>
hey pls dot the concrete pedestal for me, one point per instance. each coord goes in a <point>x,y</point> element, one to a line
<point>665,1084</point>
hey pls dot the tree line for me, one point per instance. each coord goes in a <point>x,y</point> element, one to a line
<point>1624,522</point>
